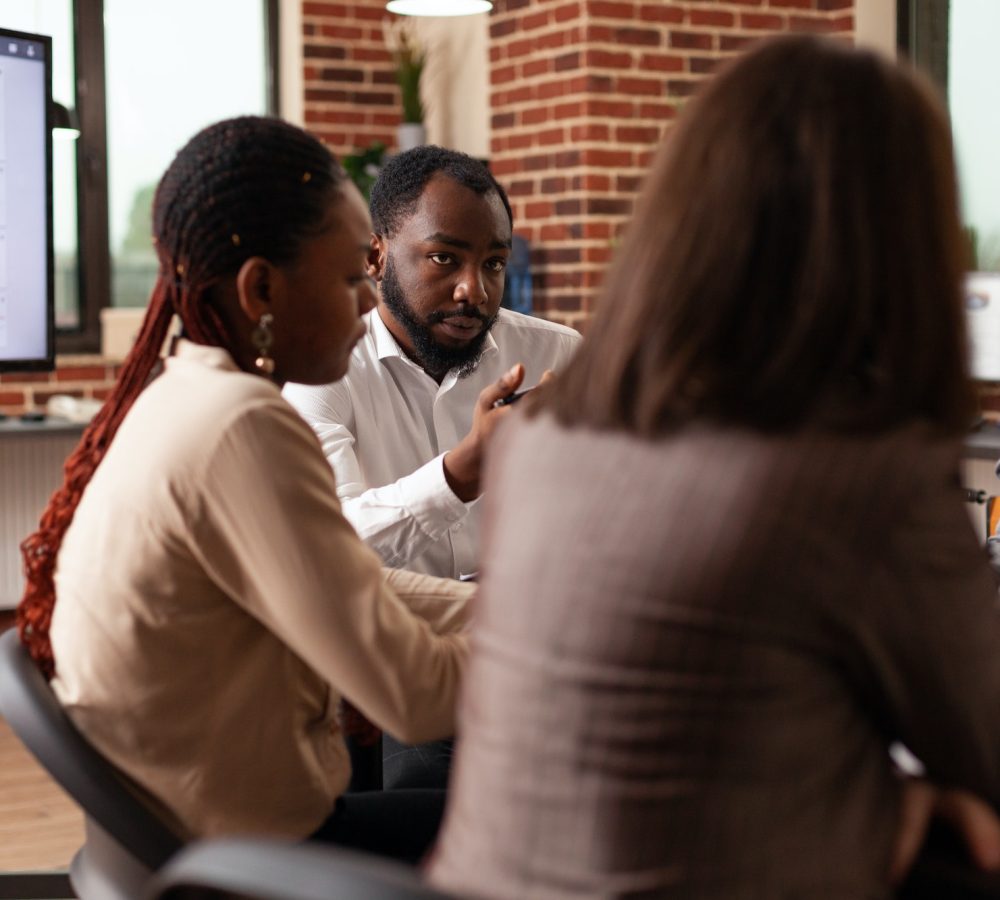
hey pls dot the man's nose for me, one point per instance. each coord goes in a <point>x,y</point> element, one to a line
<point>471,288</point>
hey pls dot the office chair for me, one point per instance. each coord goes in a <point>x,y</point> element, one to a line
<point>252,869</point>
<point>125,839</point>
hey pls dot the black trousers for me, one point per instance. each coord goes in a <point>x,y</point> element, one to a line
<point>399,824</point>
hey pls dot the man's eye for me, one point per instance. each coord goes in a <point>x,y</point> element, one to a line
<point>442,259</point>
<point>496,265</point>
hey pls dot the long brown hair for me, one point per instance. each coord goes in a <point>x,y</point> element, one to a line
<point>795,259</point>
<point>240,188</point>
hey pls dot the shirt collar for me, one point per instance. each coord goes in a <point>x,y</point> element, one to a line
<point>386,346</point>
<point>212,357</point>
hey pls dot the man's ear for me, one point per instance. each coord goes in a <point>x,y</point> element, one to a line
<point>255,287</point>
<point>378,252</point>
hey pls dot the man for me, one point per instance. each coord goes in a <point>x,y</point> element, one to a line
<point>405,430</point>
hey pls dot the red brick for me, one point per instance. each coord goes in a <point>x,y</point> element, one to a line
<point>537,20</point>
<point>341,32</point>
<point>647,37</point>
<point>658,63</point>
<point>25,378</point>
<point>539,210</point>
<point>591,131</point>
<point>729,42</point>
<point>809,23</point>
<point>321,51</point>
<point>524,47</point>
<point>552,40</point>
<point>604,59</point>
<point>835,4</point>
<point>371,14</point>
<point>712,17</point>
<point>550,89</point>
<point>639,87</point>
<point>535,67</point>
<point>691,40</point>
<point>612,109</point>
<point>594,156</point>
<point>535,116</point>
<point>700,65</point>
<point>762,21</point>
<point>592,182</point>
<point>550,137</point>
<point>337,10</point>
<point>344,75</point>
<point>82,373</point>
<point>502,28</point>
<point>12,398</point>
<point>568,110</point>
<point>537,163</point>
<point>660,12</point>
<point>567,12</point>
<point>635,134</point>
<point>791,4</point>
<point>597,254</point>
<point>567,61</point>
<point>566,159</point>
<point>656,111</point>
<point>503,74</point>
<point>611,10</point>
<point>553,185</point>
<point>597,231</point>
<point>558,232</point>
<point>370,54</point>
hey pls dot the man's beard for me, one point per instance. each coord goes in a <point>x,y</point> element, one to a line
<point>432,356</point>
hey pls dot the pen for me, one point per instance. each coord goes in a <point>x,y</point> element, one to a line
<point>511,398</point>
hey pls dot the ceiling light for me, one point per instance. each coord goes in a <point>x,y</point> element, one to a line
<point>438,7</point>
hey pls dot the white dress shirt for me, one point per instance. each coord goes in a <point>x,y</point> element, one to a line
<point>386,426</point>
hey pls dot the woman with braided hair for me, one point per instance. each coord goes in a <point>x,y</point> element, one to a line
<point>193,591</point>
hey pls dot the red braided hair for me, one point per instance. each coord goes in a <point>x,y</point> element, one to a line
<point>261,179</point>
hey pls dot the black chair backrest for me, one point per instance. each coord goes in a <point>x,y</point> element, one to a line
<point>274,870</point>
<point>34,713</point>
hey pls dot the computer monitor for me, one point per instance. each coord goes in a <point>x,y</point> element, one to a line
<point>27,311</point>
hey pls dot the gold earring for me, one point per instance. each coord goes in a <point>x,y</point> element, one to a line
<point>262,339</point>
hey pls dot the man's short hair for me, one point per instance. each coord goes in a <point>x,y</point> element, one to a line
<point>402,180</point>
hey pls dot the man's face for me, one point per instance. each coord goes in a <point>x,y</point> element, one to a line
<point>441,275</point>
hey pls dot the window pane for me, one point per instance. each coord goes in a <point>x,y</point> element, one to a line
<point>55,18</point>
<point>973,99</point>
<point>206,62</point>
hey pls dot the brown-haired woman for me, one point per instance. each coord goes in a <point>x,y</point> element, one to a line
<point>193,590</point>
<point>727,562</point>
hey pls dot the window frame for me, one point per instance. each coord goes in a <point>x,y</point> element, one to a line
<point>93,228</point>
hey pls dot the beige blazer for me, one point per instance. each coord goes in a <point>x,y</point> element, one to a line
<point>213,605</point>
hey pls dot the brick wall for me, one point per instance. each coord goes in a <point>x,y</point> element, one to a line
<point>79,376</point>
<point>351,96</point>
<point>581,92</point>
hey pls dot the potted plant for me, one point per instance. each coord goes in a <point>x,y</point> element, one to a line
<point>409,58</point>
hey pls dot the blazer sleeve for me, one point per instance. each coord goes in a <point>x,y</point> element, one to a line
<point>271,534</point>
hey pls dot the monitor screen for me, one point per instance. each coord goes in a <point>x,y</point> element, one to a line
<point>27,322</point>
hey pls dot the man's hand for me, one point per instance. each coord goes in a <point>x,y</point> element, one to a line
<point>973,819</point>
<point>463,464</point>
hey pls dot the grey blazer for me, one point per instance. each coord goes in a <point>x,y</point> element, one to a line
<point>692,654</point>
